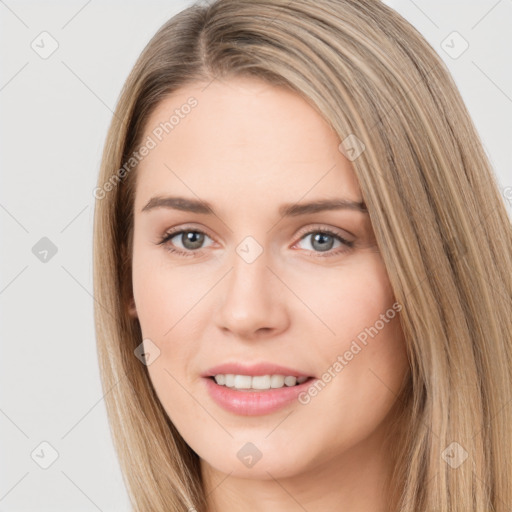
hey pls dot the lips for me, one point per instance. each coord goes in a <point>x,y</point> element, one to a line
<point>253,402</point>
<point>254,370</point>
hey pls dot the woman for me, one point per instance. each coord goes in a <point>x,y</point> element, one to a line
<point>302,270</point>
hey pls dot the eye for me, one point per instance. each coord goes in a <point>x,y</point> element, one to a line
<point>191,240</point>
<point>323,240</point>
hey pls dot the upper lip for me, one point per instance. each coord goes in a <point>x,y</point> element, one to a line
<point>253,370</point>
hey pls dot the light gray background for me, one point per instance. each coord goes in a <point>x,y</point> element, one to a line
<point>53,120</point>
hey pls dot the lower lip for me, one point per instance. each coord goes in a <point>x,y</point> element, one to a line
<point>254,403</point>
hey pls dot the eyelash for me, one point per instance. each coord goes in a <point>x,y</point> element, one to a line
<point>195,253</point>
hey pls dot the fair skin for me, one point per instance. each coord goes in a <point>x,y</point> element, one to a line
<point>247,148</point>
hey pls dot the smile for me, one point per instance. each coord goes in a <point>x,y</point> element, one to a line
<point>258,382</point>
<point>254,401</point>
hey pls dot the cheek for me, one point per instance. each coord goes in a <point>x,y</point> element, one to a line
<point>363,364</point>
<point>361,343</point>
<point>350,301</point>
<point>165,295</point>
<point>165,301</point>
<point>169,301</point>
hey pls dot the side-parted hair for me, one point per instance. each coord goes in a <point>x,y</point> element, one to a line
<point>439,220</point>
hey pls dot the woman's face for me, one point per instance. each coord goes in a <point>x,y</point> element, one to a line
<point>259,282</point>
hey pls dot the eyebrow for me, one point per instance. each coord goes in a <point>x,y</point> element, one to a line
<point>285,210</point>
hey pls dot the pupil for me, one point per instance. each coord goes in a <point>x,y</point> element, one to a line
<point>320,237</point>
<point>192,239</point>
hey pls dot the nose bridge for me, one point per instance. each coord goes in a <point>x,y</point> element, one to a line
<point>250,273</point>
<point>249,279</point>
<point>250,301</point>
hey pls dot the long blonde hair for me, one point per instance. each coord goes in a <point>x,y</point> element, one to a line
<point>439,220</point>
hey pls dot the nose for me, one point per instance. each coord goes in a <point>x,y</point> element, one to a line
<point>253,304</point>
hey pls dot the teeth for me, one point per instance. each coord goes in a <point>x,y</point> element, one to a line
<point>243,382</point>
<point>277,381</point>
<point>258,382</point>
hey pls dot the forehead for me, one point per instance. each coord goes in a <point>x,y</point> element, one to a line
<point>242,138</point>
